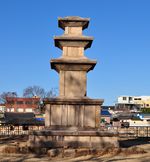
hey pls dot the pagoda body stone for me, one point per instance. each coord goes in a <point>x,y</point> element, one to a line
<point>72,119</point>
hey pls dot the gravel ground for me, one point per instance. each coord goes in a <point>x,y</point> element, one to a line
<point>121,157</point>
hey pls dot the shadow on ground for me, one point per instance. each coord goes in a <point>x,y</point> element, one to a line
<point>134,142</point>
<point>12,139</point>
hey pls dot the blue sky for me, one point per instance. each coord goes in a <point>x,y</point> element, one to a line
<point>121,30</point>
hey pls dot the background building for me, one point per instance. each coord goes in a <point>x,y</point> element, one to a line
<point>2,108</point>
<point>16,104</point>
<point>105,116</point>
<point>134,103</point>
<point>142,101</point>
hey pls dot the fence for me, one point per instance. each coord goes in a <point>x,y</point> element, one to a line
<point>17,130</point>
<point>137,131</point>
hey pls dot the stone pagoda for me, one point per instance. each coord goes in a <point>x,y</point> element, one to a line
<point>73,108</point>
<point>72,119</point>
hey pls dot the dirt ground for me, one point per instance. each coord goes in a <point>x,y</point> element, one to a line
<point>143,143</point>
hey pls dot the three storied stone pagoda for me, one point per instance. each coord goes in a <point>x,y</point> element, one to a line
<point>72,119</point>
<point>73,108</point>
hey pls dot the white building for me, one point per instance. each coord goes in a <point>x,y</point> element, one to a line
<point>125,100</point>
<point>142,101</point>
<point>2,108</point>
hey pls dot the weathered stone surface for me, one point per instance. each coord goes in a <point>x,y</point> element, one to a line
<point>54,152</point>
<point>69,153</point>
<point>73,21</point>
<point>47,133</point>
<point>77,31</point>
<point>23,147</point>
<point>75,84</point>
<point>56,115</point>
<point>89,116</point>
<point>74,139</point>
<point>83,64</point>
<point>73,41</point>
<point>80,113</point>
<point>47,115</point>
<point>73,101</point>
<point>82,152</point>
<point>9,149</point>
<point>64,118</point>
<point>72,112</point>
<point>81,116</point>
<point>97,116</point>
<point>73,52</point>
<point>71,115</point>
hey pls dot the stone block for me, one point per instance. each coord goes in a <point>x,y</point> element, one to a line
<point>73,52</point>
<point>56,113</point>
<point>75,83</point>
<point>97,116</point>
<point>64,115</point>
<point>71,115</point>
<point>23,148</point>
<point>69,153</point>
<point>73,30</point>
<point>70,138</point>
<point>54,152</point>
<point>89,116</point>
<point>9,149</point>
<point>71,141</point>
<point>62,83</point>
<point>81,116</point>
<point>82,152</point>
<point>104,142</point>
<point>84,139</point>
<point>47,115</point>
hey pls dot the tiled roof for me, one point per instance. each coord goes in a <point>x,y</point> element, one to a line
<point>21,119</point>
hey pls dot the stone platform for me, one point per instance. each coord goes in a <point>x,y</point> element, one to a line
<point>73,123</point>
<point>73,138</point>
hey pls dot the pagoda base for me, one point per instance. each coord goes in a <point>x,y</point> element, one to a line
<point>72,123</point>
<point>73,112</point>
<point>73,139</point>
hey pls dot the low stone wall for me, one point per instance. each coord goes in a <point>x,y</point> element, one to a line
<point>73,139</point>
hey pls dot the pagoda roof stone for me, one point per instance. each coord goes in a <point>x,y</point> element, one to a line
<point>73,21</point>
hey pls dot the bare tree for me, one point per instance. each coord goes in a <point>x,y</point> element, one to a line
<point>51,93</point>
<point>32,91</point>
<point>4,95</point>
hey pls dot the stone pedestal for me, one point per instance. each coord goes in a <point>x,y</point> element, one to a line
<point>72,119</point>
<point>79,113</point>
<point>73,138</point>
